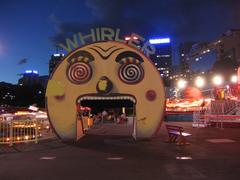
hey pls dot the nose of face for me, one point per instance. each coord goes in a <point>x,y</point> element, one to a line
<point>104,85</point>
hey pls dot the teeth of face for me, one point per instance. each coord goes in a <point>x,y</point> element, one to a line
<point>107,98</point>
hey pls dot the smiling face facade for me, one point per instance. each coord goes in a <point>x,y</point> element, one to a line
<point>101,71</point>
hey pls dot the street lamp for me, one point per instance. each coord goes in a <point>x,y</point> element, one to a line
<point>234,79</point>
<point>217,80</point>
<point>199,82</point>
<point>181,83</point>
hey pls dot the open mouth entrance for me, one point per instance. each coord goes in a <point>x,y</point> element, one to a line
<point>107,115</point>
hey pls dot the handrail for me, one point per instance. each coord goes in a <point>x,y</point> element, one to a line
<point>16,131</point>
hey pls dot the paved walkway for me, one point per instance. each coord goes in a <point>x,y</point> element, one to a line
<point>212,154</point>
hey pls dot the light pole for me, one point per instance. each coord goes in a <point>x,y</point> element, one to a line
<point>234,79</point>
<point>217,80</point>
<point>181,84</point>
<point>199,82</point>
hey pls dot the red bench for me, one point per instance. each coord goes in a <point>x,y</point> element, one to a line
<point>177,135</point>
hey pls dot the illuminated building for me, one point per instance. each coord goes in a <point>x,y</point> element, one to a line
<point>55,59</point>
<point>184,50</point>
<point>30,77</point>
<point>227,45</point>
<point>162,58</point>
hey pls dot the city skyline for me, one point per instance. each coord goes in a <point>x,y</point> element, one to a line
<point>30,29</point>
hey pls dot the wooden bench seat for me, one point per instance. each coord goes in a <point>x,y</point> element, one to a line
<point>176,134</point>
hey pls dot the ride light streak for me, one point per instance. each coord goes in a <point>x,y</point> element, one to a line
<point>48,158</point>
<point>114,158</point>
<point>183,158</point>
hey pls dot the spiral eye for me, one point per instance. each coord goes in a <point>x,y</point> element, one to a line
<point>79,72</point>
<point>131,73</point>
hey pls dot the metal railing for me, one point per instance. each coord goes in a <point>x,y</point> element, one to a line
<point>21,130</point>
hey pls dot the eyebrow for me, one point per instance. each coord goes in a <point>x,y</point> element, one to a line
<point>81,56</point>
<point>105,53</point>
<point>129,57</point>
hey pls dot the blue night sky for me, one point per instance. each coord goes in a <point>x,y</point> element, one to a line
<point>29,29</point>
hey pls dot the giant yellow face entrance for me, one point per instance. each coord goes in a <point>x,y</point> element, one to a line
<point>106,115</point>
<point>105,76</point>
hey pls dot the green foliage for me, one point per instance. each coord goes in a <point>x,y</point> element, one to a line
<point>22,96</point>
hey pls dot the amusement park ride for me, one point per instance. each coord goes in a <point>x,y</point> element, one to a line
<point>222,111</point>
